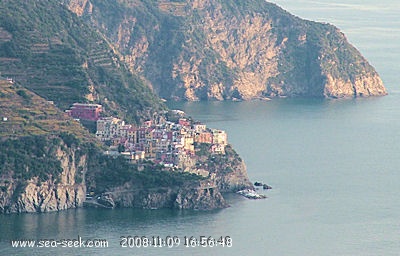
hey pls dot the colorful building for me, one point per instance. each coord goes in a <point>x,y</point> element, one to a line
<point>168,143</point>
<point>90,112</point>
<point>204,137</point>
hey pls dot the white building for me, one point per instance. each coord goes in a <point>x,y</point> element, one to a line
<point>219,137</point>
<point>108,128</point>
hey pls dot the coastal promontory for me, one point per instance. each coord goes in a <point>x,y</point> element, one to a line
<point>226,49</point>
<point>50,162</point>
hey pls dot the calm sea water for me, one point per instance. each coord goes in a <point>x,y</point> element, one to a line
<point>333,165</point>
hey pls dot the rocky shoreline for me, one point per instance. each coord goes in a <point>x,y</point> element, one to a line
<point>201,196</point>
<point>251,194</point>
<point>226,173</point>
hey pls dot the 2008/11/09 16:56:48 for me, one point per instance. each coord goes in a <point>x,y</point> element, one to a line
<point>174,241</point>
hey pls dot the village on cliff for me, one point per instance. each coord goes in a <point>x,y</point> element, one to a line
<point>168,141</point>
<point>172,140</point>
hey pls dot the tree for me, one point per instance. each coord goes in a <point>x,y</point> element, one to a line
<point>121,148</point>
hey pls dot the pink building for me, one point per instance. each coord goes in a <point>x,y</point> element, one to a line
<point>148,123</point>
<point>85,111</point>
<point>184,122</point>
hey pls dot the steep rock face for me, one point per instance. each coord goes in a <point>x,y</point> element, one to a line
<point>52,195</point>
<point>233,177</point>
<point>201,196</point>
<point>228,172</point>
<point>46,197</point>
<point>357,87</point>
<point>218,50</point>
<point>204,197</point>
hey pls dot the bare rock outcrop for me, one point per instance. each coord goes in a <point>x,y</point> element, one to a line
<point>33,195</point>
<point>359,87</point>
<point>204,197</point>
<point>227,171</point>
<point>46,197</point>
<point>199,196</point>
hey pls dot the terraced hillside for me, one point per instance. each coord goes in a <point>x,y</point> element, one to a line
<point>23,113</point>
<point>49,50</point>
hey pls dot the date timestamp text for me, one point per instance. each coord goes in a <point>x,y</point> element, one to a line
<point>175,241</point>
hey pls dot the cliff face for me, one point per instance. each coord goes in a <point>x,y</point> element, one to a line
<point>206,196</point>
<point>218,50</point>
<point>199,196</point>
<point>232,176</point>
<point>228,171</point>
<point>34,195</point>
<point>61,181</point>
<point>41,167</point>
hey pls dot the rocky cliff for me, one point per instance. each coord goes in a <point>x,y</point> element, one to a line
<point>57,192</point>
<point>154,188</point>
<point>226,49</point>
<point>195,196</point>
<point>54,175</point>
<point>41,167</point>
<point>227,171</point>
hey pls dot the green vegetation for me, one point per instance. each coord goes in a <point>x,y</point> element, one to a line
<point>30,115</point>
<point>202,149</point>
<point>224,163</point>
<point>29,157</point>
<point>172,34</point>
<point>105,172</point>
<point>23,94</point>
<point>245,7</point>
<point>52,52</point>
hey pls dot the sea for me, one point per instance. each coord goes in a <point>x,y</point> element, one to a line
<point>334,166</point>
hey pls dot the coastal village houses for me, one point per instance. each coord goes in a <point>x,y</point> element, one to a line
<point>167,143</point>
